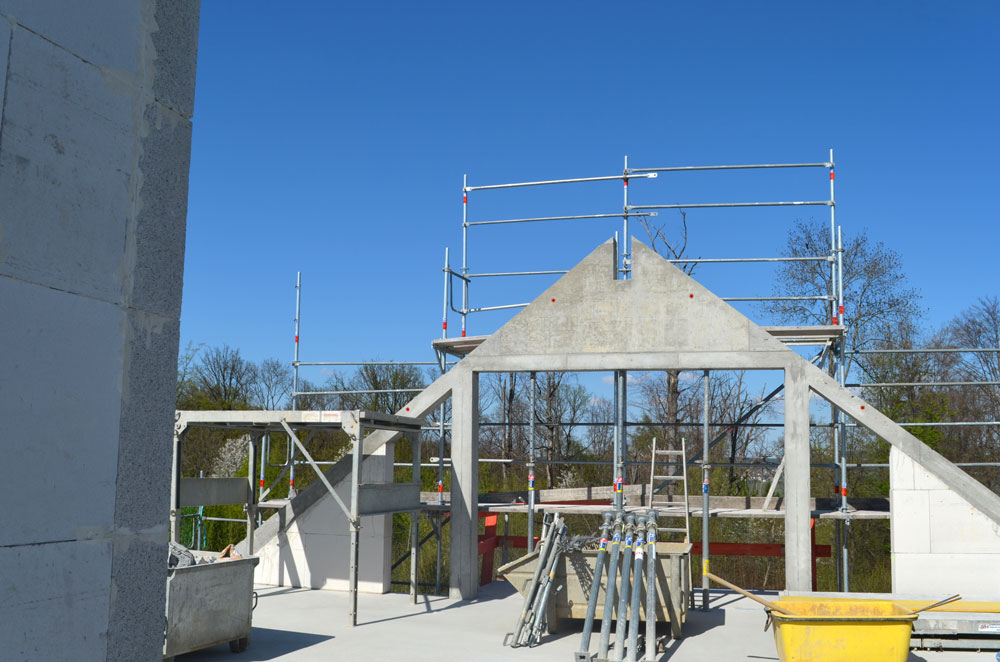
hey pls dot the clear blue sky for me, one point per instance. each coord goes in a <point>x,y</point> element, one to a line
<point>332,138</point>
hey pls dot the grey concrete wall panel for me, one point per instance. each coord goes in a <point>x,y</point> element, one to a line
<point>37,583</point>
<point>107,33</point>
<point>147,417</point>
<point>175,42</point>
<point>161,215</point>
<point>93,174</point>
<point>60,396</point>
<point>138,596</point>
<point>4,53</point>
<point>66,155</point>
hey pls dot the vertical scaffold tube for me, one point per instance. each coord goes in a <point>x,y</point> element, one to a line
<point>833,248</point>
<point>610,594</point>
<point>533,383</point>
<point>625,591</point>
<point>637,574</point>
<point>651,585</point>
<point>465,250</point>
<point>625,268</point>
<point>595,586</point>
<point>705,469</point>
<point>295,383</point>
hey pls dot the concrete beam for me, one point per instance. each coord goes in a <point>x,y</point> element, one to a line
<point>776,359</point>
<point>876,422</point>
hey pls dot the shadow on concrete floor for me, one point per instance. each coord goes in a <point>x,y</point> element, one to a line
<point>698,622</point>
<point>265,644</point>
<point>495,591</point>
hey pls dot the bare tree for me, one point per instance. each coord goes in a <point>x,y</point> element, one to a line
<point>503,405</point>
<point>660,241</point>
<point>979,326</point>
<point>385,388</point>
<point>559,408</point>
<point>877,297</point>
<point>223,378</point>
<point>272,383</point>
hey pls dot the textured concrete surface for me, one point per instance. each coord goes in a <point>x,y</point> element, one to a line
<point>95,106</point>
<point>940,542</point>
<point>464,556</point>
<point>306,626</point>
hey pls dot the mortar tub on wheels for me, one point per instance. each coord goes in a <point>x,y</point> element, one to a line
<point>824,630</point>
<point>575,575</point>
<point>209,604</point>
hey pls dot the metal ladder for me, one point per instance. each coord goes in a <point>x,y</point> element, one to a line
<point>668,468</point>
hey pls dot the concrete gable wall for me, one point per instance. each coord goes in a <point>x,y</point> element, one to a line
<point>659,310</point>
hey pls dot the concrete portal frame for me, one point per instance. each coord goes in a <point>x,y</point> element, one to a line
<point>365,499</point>
<point>661,319</point>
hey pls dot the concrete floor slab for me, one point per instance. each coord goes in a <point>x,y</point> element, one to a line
<point>305,625</point>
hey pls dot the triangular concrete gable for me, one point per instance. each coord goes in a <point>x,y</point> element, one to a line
<point>659,310</point>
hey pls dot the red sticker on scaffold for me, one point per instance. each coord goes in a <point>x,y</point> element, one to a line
<point>831,175</point>
<point>604,543</point>
<point>440,486</point>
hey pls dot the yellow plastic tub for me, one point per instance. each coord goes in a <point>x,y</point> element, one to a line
<point>842,630</point>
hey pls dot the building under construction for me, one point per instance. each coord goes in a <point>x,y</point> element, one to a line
<point>82,560</point>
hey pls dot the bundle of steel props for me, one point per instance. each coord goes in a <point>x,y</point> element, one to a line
<point>531,622</point>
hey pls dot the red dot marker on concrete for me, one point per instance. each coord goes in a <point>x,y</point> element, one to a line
<point>553,301</point>
<point>690,296</point>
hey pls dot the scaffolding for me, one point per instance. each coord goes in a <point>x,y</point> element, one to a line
<point>829,338</point>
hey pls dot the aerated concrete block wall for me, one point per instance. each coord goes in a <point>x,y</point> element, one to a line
<point>96,100</point>
<point>941,544</point>
<point>313,551</point>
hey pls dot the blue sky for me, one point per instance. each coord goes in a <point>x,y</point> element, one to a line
<point>331,138</point>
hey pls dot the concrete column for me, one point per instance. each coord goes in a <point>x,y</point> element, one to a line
<point>465,487</point>
<point>798,574</point>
